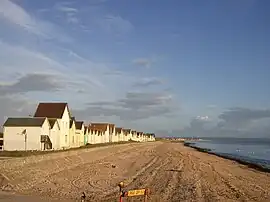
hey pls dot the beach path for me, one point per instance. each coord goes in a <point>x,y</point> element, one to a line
<point>172,171</point>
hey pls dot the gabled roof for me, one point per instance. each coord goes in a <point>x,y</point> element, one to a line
<point>85,129</point>
<point>96,128</point>
<point>52,122</point>
<point>79,124</point>
<point>127,130</point>
<point>99,126</point>
<point>111,126</point>
<point>71,122</point>
<point>51,110</point>
<point>118,130</point>
<point>24,122</point>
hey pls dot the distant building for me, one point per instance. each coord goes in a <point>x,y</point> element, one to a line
<point>79,132</point>
<point>73,139</point>
<point>120,135</point>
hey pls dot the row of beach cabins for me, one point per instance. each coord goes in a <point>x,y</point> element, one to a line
<point>53,128</point>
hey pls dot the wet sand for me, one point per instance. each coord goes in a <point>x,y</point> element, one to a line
<point>172,171</point>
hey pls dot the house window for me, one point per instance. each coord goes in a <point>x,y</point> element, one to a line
<point>66,138</point>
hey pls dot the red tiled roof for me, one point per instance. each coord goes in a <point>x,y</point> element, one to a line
<point>51,110</point>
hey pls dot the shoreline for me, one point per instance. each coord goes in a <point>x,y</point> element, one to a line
<point>240,161</point>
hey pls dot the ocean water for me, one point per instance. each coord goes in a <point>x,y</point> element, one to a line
<point>251,150</point>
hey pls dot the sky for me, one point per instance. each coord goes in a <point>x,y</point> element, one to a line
<point>175,67</point>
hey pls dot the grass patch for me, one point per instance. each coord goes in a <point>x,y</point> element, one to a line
<point>36,152</point>
<point>159,139</point>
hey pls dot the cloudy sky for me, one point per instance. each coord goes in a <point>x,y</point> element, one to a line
<point>189,68</point>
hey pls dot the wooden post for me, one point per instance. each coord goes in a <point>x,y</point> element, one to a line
<point>120,185</point>
<point>146,194</point>
<point>145,198</point>
<point>25,140</point>
<point>121,198</point>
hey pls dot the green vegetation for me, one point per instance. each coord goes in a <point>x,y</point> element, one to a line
<point>159,139</point>
<point>31,153</point>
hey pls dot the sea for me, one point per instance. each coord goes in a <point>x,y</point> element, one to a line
<point>250,150</point>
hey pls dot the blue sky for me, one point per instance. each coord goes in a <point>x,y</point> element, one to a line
<point>172,67</point>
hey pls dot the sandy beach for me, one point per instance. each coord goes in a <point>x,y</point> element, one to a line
<point>172,171</point>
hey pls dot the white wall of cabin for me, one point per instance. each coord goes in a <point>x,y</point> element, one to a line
<point>15,140</point>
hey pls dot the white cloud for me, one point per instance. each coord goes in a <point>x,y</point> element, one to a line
<point>16,15</point>
<point>54,72</point>
<point>32,83</point>
<point>115,24</point>
<point>84,80</point>
<point>15,106</point>
<point>67,9</point>
<point>70,13</point>
<point>234,122</point>
<point>135,109</point>
<point>203,118</point>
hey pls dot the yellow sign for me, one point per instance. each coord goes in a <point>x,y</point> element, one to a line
<point>137,192</point>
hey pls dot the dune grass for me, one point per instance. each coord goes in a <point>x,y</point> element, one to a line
<point>36,152</point>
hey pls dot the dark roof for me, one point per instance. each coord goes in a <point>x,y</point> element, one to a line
<point>85,129</point>
<point>71,122</point>
<point>118,130</point>
<point>51,110</point>
<point>78,124</point>
<point>99,126</point>
<point>92,128</point>
<point>111,126</point>
<point>52,122</point>
<point>27,122</point>
<point>127,130</point>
